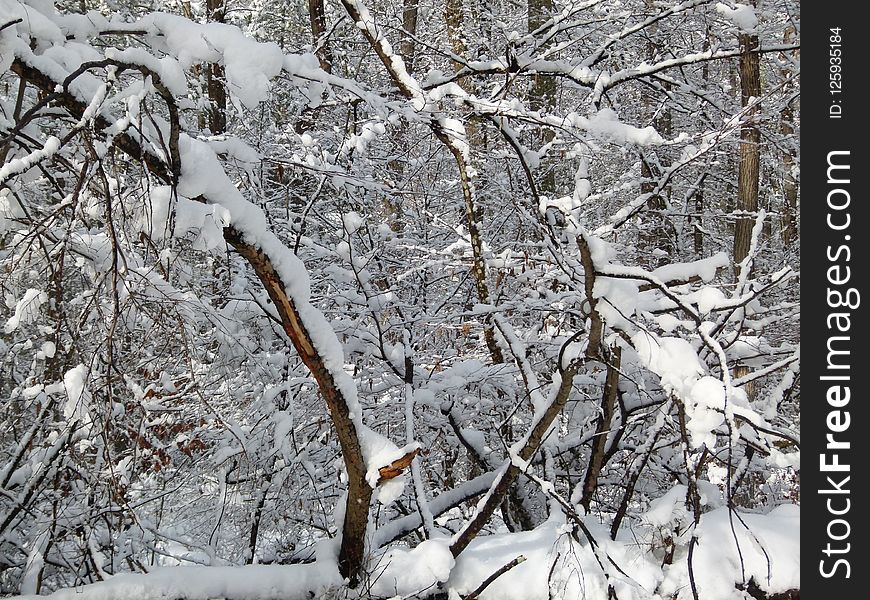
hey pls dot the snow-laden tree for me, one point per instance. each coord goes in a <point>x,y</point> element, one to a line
<point>418,299</point>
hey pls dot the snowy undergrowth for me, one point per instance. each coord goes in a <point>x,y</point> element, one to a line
<point>556,566</point>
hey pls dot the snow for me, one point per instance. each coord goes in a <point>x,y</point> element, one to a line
<point>456,130</point>
<point>206,221</point>
<point>668,508</point>
<point>368,133</point>
<point>621,300</point>
<point>252,582</point>
<point>379,451</point>
<point>352,222</point>
<point>400,571</point>
<point>34,566</point>
<point>605,125</point>
<point>35,23</point>
<point>10,210</point>
<point>154,219</point>
<point>742,15</point>
<point>167,68</point>
<point>705,408</point>
<point>704,268</point>
<point>26,309</point>
<point>770,551</point>
<point>706,400</point>
<point>75,382</point>
<point>549,547</point>
<point>47,350</point>
<point>708,299</point>
<point>671,358</point>
<point>20,165</point>
<point>249,65</point>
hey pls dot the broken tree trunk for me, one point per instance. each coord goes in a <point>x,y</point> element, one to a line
<point>293,321</point>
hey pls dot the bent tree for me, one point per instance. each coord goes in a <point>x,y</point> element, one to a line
<point>274,296</point>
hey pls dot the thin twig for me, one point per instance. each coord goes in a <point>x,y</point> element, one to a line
<point>486,582</point>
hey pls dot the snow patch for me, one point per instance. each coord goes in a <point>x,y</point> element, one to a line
<point>742,15</point>
<point>26,309</point>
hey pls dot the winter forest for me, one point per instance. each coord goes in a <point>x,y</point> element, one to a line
<point>367,299</point>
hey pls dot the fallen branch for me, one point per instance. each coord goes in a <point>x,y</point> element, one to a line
<point>486,582</point>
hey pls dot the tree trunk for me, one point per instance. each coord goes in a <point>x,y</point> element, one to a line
<point>408,46</point>
<point>599,441</point>
<point>789,186</point>
<point>750,138</point>
<point>394,203</point>
<point>351,557</point>
<point>655,229</point>
<point>317,18</point>
<point>352,552</point>
<point>454,19</point>
<point>542,96</point>
<point>217,94</point>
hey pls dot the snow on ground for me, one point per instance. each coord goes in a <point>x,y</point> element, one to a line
<point>252,582</point>
<point>555,566</point>
<point>770,549</point>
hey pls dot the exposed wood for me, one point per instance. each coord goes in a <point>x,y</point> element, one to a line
<point>351,552</point>
<point>397,467</point>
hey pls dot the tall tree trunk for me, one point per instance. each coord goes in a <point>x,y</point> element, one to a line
<point>542,95</point>
<point>394,203</point>
<point>217,94</point>
<point>749,158</point>
<point>454,19</point>
<point>698,231</point>
<point>698,220</point>
<point>655,230</point>
<point>750,138</point>
<point>789,185</point>
<point>317,21</point>
<point>408,46</point>
<point>317,18</point>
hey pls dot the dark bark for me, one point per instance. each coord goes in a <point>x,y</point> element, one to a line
<point>542,94</point>
<point>351,554</point>
<point>217,94</point>
<point>408,46</point>
<point>750,138</point>
<point>789,185</point>
<point>317,18</point>
<point>599,442</point>
<point>655,229</point>
<point>485,512</point>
